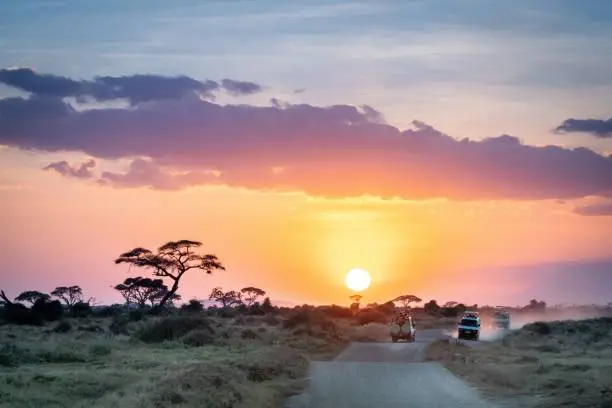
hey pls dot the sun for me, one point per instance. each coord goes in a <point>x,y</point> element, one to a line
<point>357,279</point>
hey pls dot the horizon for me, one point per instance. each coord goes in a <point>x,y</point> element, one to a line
<point>465,156</point>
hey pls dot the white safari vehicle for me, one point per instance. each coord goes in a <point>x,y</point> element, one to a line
<point>402,328</point>
<point>469,326</point>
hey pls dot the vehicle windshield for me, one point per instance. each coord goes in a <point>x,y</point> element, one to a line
<point>469,322</point>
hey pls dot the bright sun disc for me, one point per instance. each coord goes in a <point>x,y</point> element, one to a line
<point>357,279</point>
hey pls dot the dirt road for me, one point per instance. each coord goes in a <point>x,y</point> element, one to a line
<point>387,375</point>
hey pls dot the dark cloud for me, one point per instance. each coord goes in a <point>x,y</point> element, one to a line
<point>134,88</point>
<point>338,150</point>
<point>596,127</point>
<point>240,87</point>
<point>595,210</point>
<point>82,171</point>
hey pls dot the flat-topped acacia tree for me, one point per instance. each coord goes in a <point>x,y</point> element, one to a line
<point>171,261</point>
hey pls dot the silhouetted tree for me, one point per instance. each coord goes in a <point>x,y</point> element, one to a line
<point>266,306</point>
<point>193,306</point>
<point>172,261</point>
<point>141,290</point>
<point>227,299</point>
<point>535,306</point>
<point>70,295</point>
<point>405,300</point>
<point>250,295</point>
<point>32,296</point>
<point>431,307</point>
<point>355,305</point>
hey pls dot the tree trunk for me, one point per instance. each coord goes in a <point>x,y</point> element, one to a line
<point>170,293</point>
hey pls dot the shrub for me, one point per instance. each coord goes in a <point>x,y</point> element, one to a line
<point>16,313</point>
<point>249,334</point>
<point>371,316</point>
<point>119,325</point>
<point>110,311</point>
<point>136,315</point>
<point>301,317</point>
<point>81,309</point>
<point>49,311</point>
<point>336,311</point>
<point>226,312</point>
<point>172,328</point>
<point>199,338</point>
<point>541,328</point>
<point>63,327</point>
<point>257,309</point>
<point>271,320</point>
<point>194,306</point>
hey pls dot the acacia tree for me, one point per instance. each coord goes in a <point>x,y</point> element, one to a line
<point>172,260</point>
<point>32,296</point>
<point>227,299</point>
<point>405,300</point>
<point>356,302</point>
<point>141,290</point>
<point>250,295</point>
<point>70,295</point>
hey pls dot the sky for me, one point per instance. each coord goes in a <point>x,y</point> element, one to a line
<point>457,150</point>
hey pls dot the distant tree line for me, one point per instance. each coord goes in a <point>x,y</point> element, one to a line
<point>169,263</point>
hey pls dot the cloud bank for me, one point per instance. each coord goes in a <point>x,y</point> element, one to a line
<point>341,150</point>
<point>596,127</point>
<point>134,88</point>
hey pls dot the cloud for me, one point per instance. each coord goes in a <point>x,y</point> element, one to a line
<point>331,151</point>
<point>134,88</point>
<point>595,210</point>
<point>82,171</point>
<point>144,173</point>
<point>240,87</point>
<point>597,127</point>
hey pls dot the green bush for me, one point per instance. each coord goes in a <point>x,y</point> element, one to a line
<point>172,328</point>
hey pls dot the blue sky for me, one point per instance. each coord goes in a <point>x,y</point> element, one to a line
<point>510,67</point>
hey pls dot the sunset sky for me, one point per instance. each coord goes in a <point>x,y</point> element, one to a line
<point>457,150</point>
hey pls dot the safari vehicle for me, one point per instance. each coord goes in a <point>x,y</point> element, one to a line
<point>469,327</point>
<point>402,328</point>
<point>501,318</point>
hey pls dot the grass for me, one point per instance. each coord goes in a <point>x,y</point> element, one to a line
<point>180,361</point>
<point>544,364</point>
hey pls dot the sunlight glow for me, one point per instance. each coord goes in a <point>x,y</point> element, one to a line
<point>358,279</point>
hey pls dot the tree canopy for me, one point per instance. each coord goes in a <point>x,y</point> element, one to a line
<point>31,296</point>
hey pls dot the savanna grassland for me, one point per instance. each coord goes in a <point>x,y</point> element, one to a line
<point>543,364</point>
<point>187,359</point>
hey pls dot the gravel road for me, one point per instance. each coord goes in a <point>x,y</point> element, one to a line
<point>388,375</point>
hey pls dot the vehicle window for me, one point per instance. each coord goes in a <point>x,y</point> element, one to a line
<point>469,322</point>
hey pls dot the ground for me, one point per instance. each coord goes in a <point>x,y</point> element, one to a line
<point>203,360</point>
<point>544,364</point>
